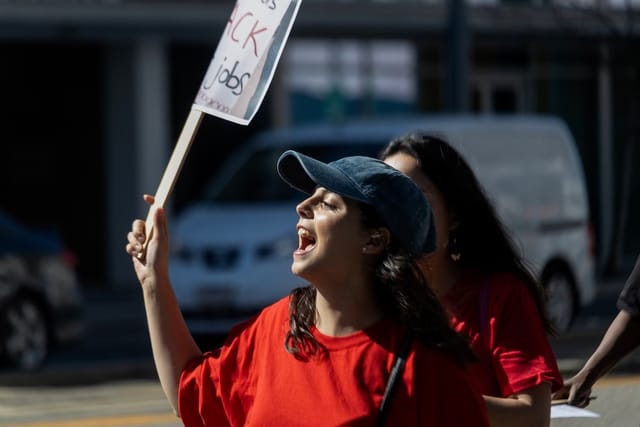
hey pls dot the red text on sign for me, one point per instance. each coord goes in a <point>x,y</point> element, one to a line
<point>244,29</point>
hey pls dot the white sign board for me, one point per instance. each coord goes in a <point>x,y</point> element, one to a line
<point>245,60</point>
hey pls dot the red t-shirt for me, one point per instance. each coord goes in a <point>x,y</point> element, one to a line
<point>507,334</point>
<point>253,381</point>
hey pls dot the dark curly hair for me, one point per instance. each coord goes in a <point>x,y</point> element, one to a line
<point>401,292</point>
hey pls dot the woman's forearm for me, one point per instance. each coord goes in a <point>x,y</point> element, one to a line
<point>622,336</point>
<point>171,342</point>
<point>530,408</point>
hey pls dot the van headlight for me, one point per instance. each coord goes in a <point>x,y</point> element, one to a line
<point>278,248</point>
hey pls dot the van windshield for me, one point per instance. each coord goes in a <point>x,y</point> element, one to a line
<point>256,180</point>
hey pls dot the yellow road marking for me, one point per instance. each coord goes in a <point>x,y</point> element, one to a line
<point>113,421</point>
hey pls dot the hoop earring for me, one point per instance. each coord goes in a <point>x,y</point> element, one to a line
<point>454,251</point>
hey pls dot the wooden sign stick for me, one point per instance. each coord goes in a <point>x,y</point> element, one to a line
<point>171,172</point>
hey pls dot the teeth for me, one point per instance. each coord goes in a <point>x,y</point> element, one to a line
<point>303,233</point>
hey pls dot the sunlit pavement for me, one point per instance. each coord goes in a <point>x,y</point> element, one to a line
<point>122,404</point>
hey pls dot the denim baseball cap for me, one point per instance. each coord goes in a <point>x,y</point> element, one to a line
<point>394,196</point>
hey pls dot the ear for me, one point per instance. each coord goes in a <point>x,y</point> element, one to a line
<point>379,238</point>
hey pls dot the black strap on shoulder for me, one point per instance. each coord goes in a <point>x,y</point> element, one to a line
<point>396,373</point>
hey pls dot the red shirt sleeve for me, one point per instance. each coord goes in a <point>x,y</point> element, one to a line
<point>218,388</point>
<point>521,353</point>
<point>508,337</point>
<point>200,379</point>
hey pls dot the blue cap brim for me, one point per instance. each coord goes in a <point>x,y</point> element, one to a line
<point>305,173</point>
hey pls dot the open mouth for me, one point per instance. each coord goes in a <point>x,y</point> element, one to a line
<point>306,241</point>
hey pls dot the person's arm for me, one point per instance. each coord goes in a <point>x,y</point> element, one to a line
<point>529,408</point>
<point>622,336</point>
<point>171,342</point>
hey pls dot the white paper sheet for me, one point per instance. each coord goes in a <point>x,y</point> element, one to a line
<point>568,411</point>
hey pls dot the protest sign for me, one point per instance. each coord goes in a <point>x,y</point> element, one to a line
<point>245,60</point>
<point>237,78</point>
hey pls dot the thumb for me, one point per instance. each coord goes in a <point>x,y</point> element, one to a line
<point>156,228</point>
<point>160,224</point>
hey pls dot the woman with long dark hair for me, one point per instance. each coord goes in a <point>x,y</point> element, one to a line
<point>483,283</point>
<point>366,343</point>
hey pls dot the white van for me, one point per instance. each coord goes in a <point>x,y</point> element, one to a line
<point>232,248</point>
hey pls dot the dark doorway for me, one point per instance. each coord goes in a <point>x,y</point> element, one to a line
<point>51,167</point>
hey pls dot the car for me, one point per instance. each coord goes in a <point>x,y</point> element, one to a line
<point>41,302</point>
<point>232,247</point>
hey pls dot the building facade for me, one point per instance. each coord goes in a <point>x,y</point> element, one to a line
<point>95,93</point>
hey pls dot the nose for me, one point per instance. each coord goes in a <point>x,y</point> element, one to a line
<point>304,208</point>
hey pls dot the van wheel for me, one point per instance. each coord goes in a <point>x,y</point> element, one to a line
<point>560,299</point>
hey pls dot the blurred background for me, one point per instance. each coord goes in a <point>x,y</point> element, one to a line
<point>93,95</point>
